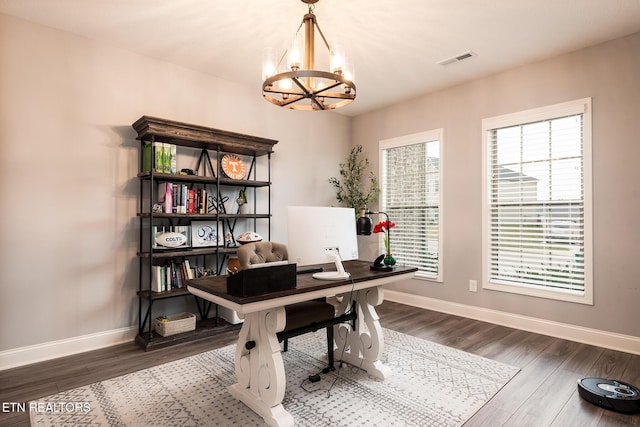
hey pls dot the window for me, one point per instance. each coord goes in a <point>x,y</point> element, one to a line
<point>537,202</point>
<point>411,177</point>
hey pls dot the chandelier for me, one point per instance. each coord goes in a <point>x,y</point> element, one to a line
<point>292,83</point>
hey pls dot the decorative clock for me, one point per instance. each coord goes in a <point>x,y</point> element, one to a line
<point>233,166</point>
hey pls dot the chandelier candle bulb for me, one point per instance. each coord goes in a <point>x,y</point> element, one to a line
<point>268,63</point>
<point>295,54</point>
<point>349,74</point>
<point>337,59</point>
<point>284,86</point>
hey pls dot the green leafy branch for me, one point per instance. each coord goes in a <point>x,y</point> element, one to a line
<point>349,191</point>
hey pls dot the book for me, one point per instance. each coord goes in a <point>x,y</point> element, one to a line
<point>202,201</point>
<point>187,272</point>
<point>165,196</point>
<point>157,150</point>
<point>162,193</point>
<point>175,197</point>
<point>166,157</point>
<point>179,201</point>
<point>146,157</point>
<point>166,285</point>
<point>185,198</point>
<point>192,202</point>
<point>173,167</point>
<point>157,279</point>
<point>190,273</point>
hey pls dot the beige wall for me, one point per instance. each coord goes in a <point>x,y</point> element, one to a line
<point>68,160</point>
<point>68,156</point>
<point>610,74</point>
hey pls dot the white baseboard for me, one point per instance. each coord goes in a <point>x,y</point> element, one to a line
<point>620,342</point>
<point>54,349</point>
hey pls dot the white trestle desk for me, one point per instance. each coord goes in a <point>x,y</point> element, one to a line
<point>260,370</point>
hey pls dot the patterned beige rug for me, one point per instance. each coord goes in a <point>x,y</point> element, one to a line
<point>431,385</point>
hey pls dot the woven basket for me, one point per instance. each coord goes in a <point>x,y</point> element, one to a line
<point>175,324</point>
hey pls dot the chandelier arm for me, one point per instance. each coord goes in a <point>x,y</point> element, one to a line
<point>318,102</point>
<point>292,100</point>
<point>294,92</point>
<point>286,102</point>
<point>296,106</point>
<point>300,26</point>
<point>336,80</point>
<point>308,94</point>
<point>326,43</point>
<point>301,86</point>
<point>282,58</point>
<point>325,88</point>
<point>335,95</point>
<point>300,95</point>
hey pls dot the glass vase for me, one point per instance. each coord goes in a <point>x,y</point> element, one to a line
<point>389,260</point>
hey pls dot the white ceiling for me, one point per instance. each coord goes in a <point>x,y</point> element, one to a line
<point>395,45</point>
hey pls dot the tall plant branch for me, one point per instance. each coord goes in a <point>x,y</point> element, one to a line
<point>349,190</point>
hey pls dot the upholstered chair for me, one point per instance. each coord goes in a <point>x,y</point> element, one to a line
<point>303,317</point>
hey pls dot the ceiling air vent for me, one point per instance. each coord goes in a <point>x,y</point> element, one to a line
<point>457,58</point>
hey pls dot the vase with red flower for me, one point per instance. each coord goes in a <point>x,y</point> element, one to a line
<point>383,227</point>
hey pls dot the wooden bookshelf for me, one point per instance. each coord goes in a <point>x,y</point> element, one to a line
<point>206,147</point>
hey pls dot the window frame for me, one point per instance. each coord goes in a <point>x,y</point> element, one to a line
<point>413,139</point>
<point>580,106</point>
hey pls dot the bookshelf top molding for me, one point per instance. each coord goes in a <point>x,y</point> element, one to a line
<point>195,136</point>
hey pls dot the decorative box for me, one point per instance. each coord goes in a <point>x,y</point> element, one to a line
<point>175,324</point>
<point>258,281</point>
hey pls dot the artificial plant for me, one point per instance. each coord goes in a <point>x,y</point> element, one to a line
<point>349,188</point>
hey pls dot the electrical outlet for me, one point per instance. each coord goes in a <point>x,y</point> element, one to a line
<point>473,285</point>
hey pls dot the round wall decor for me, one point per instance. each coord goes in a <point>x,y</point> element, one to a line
<point>233,166</point>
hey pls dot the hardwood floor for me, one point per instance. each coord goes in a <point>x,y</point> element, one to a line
<point>544,393</point>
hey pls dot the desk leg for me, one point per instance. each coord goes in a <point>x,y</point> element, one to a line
<point>362,346</point>
<point>260,370</point>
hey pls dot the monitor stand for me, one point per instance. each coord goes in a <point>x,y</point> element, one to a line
<point>339,274</point>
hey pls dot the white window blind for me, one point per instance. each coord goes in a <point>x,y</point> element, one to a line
<point>537,202</point>
<point>411,195</point>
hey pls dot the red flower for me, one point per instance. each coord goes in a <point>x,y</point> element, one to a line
<point>382,226</point>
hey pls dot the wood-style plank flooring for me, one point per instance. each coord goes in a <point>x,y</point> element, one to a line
<point>544,393</point>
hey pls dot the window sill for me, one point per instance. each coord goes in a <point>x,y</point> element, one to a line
<point>521,289</point>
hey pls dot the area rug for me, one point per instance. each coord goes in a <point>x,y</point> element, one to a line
<point>431,385</point>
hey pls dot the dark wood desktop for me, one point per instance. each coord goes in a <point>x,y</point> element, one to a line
<point>359,271</point>
<point>259,367</point>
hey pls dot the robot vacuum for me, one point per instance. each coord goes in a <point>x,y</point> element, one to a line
<point>610,394</point>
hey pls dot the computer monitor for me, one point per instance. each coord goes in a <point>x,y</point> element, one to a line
<point>319,235</point>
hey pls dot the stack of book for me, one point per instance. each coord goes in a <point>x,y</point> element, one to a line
<point>173,275</point>
<point>163,155</point>
<point>179,198</point>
